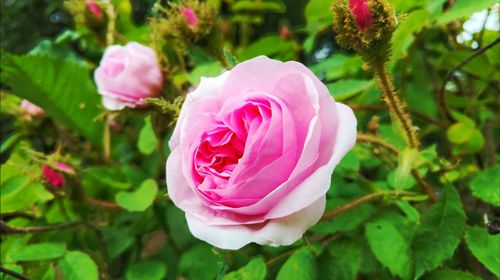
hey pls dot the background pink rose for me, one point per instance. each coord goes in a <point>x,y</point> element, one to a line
<point>127,74</point>
<point>30,109</point>
<point>253,152</point>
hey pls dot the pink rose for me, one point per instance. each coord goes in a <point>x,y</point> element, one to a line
<point>29,109</point>
<point>253,152</point>
<point>127,75</point>
<point>362,14</point>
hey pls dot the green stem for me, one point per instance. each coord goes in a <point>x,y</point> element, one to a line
<point>396,106</point>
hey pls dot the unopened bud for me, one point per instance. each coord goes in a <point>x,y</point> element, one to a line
<point>189,16</point>
<point>361,13</point>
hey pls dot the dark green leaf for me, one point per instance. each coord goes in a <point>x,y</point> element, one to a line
<point>301,265</point>
<point>147,270</point>
<point>61,87</point>
<point>199,263</point>
<point>342,260</point>
<point>440,232</point>
<point>450,274</point>
<point>347,88</point>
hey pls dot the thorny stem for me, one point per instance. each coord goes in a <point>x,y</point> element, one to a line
<point>396,106</point>
<point>377,141</point>
<point>6,229</point>
<point>346,207</point>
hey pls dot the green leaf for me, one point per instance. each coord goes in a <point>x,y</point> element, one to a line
<point>147,270</point>
<point>61,87</point>
<point>401,178</point>
<point>485,185</point>
<point>484,247</point>
<point>460,132</point>
<point>178,228</point>
<point>463,8</point>
<point>118,240</point>
<point>19,193</point>
<point>39,251</point>
<point>140,199</point>
<point>342,260</point>
<point>255,269</point>
<point>12,267</point>
<point>390,247</point>
<point>300,265</point>
<point>349,162</point>
<point>450,274</point>
<point>231,59</point>
<point>410,212</point>
<point>404,35</point>
<point>147,141</point>
<point>317,10</point>
<point>440,232</point>
<point>96,178</point>
<point>77,265</point>
<point>199,263</point>
<point>347,88</point>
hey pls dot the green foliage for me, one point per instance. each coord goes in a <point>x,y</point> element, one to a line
<point>112,219</point>
<point>440,232</point>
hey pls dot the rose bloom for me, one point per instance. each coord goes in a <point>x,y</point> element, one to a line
<point>253,152</point>
<point>128,74</point>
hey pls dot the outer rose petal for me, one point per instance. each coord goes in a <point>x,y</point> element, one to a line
<point>277,232</point>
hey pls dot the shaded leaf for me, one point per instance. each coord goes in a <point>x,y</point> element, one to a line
<point>300,265</point>
<point>254,270</point>
<point>485,247</point>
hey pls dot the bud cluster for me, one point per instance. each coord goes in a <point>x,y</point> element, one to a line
<point>365,26</point>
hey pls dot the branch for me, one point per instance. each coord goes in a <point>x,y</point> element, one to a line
<point>346,207</point>
<point>13,273</point>
<point>6,229</point>
<point>441,100</point>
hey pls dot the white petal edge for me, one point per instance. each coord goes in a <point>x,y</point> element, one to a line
<point>278,232</point>
<point>112,104</point>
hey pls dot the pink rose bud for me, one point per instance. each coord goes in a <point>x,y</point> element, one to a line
<point>65,168</point>
<point>362,14</point>
<point>285,32</point>
<point>189,16</point>
<point>127,75</point>
<point>94,9</point>
<point>54,177</point>
<point>30,109</point>
<point>253,152</point>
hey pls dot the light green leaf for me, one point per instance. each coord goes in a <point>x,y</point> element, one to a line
<point>486,185</point>
<point>401,178</point>
<point>39,251</point>
<point>484,247</point>
<point>19,193</point>
<point>460,132</point>
<point>390,247</point>
<point>300,265</point>
<point>258,6</point>
<point>140,199</point>
<point>463,8</point>
<point>61,87</point>
<point>342,260</point>
<point>440,232</point>
<point>318,10</point>
<point>410,211</point>
<point>147,270</point>
<point>253,270</point>
<point>77,265</point>
<point>347,88</point>
<point>450,274</point>
<point>147,141</point>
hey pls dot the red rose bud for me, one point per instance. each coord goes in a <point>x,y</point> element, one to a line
<point>94,9</point>
<point>65,168</point>
<point>189,16</point>
<point>285,32</point>
<point>362,14</point>
<point>52,176</point>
